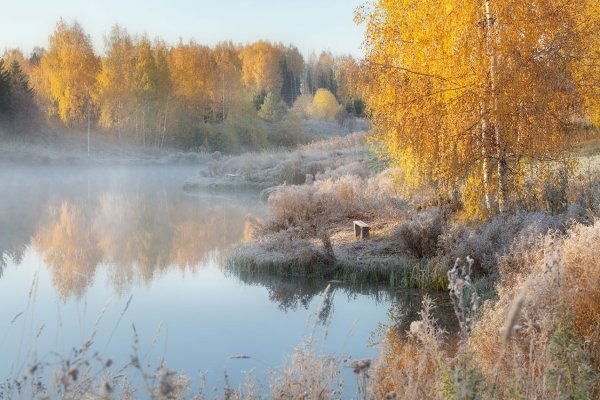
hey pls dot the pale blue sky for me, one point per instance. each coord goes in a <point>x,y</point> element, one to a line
<point>309,24</point>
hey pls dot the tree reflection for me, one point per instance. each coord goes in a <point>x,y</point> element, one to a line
<point>292,293</point>
<point>190,241</point>
<point>135,237</point>
<point>21,207</point>
<point>197,238</point>
<point>69,249</point>
<point>147,245</point>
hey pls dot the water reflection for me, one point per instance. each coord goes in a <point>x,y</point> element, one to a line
<point>69,248</point>
<point>290,294</point>
<point>19,216</point>
<point>403,305</point>
<point>134,227</point>
<point>138,225</point>
<point>81,231</point>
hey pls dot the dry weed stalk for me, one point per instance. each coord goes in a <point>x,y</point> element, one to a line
<point>361,369</point>
<point>309,374</point>
<point>463,294</point>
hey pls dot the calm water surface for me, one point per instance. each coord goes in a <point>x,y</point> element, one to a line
<point>93,253</point>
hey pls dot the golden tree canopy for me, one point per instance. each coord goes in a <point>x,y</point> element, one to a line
<point>115,82</point>
<point>69,68</point>
<point>194,74</point>
<point>260,67</point>
<point>324,105</point>
<point>471,90</point>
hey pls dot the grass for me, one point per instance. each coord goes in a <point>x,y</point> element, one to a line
<point>320,159</point>
<point>402,274</point>
<point>414,274</point>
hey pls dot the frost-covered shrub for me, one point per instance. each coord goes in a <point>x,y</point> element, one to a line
<point>418,235</point>
<point>312,207</point>
<point>493,239</point>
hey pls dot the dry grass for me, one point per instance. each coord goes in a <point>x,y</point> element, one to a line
<point>320,159</point>
<point>410,365</point>
<point>419,233</point>
<point>488,241</point>
<point>560,285</point>
<point>331,201</point>
<point>540,339</point>
<point>309,376</point>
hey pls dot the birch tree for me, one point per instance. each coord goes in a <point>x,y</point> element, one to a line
<point>115,82</point>
<point>260,67</point>
<point>152,89</point>
<point>196,86</point>
<point>470,92</point>
<point>69,70</point>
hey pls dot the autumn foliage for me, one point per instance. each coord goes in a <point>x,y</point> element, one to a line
<point>190,95</point>
<point>324,105</point>
<point>473,94</point>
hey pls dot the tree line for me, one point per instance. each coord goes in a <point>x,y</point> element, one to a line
<point>155,94</point>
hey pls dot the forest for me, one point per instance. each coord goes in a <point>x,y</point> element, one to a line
<point>229,97</point>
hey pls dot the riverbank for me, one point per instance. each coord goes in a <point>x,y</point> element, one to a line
<point>317,191</point>
<point>337,156</point>
<point>50,147</point>
<point>524,285</point>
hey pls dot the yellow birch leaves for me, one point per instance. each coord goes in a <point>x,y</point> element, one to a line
<point>474,90</point>
<point>68,71</point>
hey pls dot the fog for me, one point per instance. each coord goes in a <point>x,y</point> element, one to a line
<point>136,221</point>
<point>91,250</point>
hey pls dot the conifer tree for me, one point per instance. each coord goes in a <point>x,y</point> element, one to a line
<point>5,92</point>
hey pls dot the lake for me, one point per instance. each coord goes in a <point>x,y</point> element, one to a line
<point>126,261</point>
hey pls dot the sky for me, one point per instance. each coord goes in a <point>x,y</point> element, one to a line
<point>311,25</point>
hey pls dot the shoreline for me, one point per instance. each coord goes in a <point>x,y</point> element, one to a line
<point>355,262</point>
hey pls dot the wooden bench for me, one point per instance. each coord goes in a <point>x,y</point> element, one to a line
<point>361,229</point>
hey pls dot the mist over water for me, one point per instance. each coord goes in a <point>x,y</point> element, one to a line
<point>89,253</point>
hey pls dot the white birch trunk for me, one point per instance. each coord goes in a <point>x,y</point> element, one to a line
<point>491,39</point>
